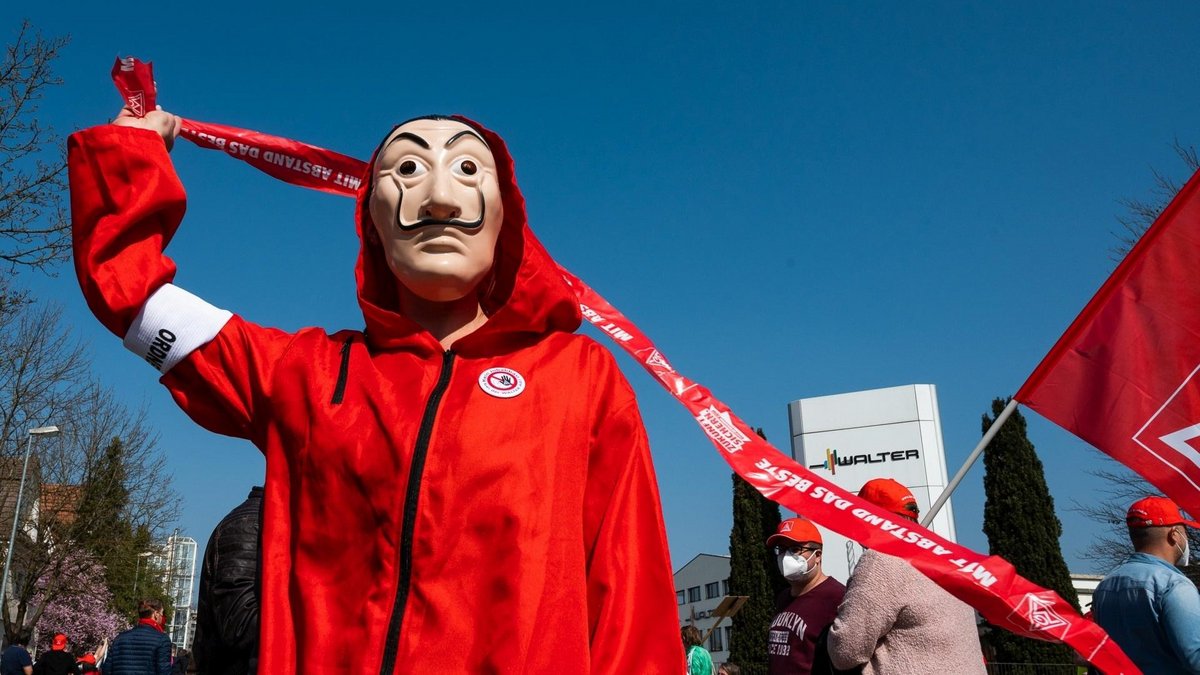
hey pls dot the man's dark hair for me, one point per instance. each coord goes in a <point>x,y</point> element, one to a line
<point>23,637</point>
<point>691,636</point>
<point>1143,537</point>
<point>147,607</point>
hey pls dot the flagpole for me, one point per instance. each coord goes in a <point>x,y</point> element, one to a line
<point>983,443</point>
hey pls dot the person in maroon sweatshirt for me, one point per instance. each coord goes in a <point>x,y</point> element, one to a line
<point>807,607</point>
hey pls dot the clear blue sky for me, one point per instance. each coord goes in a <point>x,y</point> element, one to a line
<point>792,199</point>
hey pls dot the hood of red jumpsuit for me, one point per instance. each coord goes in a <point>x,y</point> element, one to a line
<point>528,298</point>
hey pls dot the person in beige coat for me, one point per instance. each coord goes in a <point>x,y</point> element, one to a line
<point>895,620</point>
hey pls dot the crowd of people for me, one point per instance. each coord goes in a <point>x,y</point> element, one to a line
<point>57,660</point>
<point>144,649</point>
<point>889,618</point>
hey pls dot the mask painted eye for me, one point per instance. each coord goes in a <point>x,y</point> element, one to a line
<point>468,167</point>
<point>410,168</point>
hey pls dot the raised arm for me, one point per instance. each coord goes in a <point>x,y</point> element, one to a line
<point>126,204</point>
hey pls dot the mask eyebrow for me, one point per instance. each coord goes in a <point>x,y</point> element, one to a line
<point>412,137</point>
<point>465,132</point>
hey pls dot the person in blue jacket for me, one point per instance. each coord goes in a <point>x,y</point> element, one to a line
<point>1146,604</point>
<point>144,649</point>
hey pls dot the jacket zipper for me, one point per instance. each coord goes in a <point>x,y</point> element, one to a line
<point>412,492</point>
<point>339,390</point>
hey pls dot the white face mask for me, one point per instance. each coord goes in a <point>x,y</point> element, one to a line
<point>793,567</point>
<point>1186,556</point>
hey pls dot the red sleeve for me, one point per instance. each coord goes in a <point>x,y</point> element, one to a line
<point>631,597</point>
<point>126,204</point>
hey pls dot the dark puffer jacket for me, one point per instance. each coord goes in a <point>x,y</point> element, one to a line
<point>141,650</point>
<point>227,613</point>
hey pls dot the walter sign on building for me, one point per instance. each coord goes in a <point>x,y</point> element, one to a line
<point>882,433</point>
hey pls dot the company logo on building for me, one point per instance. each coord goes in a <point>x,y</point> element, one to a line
<point>721,429</point>
<point>833,460</point>
<point>1040,614</point>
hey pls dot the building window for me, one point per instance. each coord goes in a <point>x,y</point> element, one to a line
<point>729,634</point>
<point>725,585</point>
<point>712,590</point>
<point>694,594</point>
<point>679,597</point>
<point>715,643</point>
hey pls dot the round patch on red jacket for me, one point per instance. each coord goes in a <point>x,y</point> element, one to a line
<point>502,382</point>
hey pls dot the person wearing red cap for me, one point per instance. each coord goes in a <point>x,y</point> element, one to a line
<point>1146,604</point>
<point>87,664</point>
<point>894,619</point>
<point>807,607</point>
<point>56,661</point>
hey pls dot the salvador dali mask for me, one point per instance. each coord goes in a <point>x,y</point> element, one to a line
<point>436,206</point>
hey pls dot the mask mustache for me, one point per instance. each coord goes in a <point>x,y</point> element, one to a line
<point>453,222</point>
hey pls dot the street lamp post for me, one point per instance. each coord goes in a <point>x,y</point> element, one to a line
<point>138,571</point>
<point>37,431</point>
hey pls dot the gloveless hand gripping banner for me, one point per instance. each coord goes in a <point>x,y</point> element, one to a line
<point>987,583</point>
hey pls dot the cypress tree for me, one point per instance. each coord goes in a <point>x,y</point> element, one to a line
<point>753,573</point>
<point>747,551</point>
<point>770,523</point>
<point>1021,527</point>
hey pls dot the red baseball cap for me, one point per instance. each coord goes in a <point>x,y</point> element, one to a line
<point>795,530</point>
<point>891,495</point>
<point>1155,512</point>
<point>59,641</point>
<point>87,658</point>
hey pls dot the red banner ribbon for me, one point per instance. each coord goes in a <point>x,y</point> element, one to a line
<point>988,583</point>
<point>290,161</point>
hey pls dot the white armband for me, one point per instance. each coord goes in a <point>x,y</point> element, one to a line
<point>172,324</point>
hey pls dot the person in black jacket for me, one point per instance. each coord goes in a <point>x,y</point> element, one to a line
<point>226,640</point>
<point>56,660</point>
<point>144,649</point>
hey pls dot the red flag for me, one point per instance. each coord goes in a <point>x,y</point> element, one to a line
<point>1124,377</point>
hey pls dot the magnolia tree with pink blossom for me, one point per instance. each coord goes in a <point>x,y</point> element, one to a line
<point>81,609</point>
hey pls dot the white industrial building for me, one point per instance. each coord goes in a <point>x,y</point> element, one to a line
<point>700,586</point>
<point>177,562</point>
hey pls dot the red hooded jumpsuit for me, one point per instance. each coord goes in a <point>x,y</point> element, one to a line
<point>414,523</point>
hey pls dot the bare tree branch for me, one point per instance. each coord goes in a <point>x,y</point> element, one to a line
<point>34,228</point>
<point>100,485</point>
<point>1140,215</point>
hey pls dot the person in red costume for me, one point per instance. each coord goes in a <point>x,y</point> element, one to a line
<point>464,486</point>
